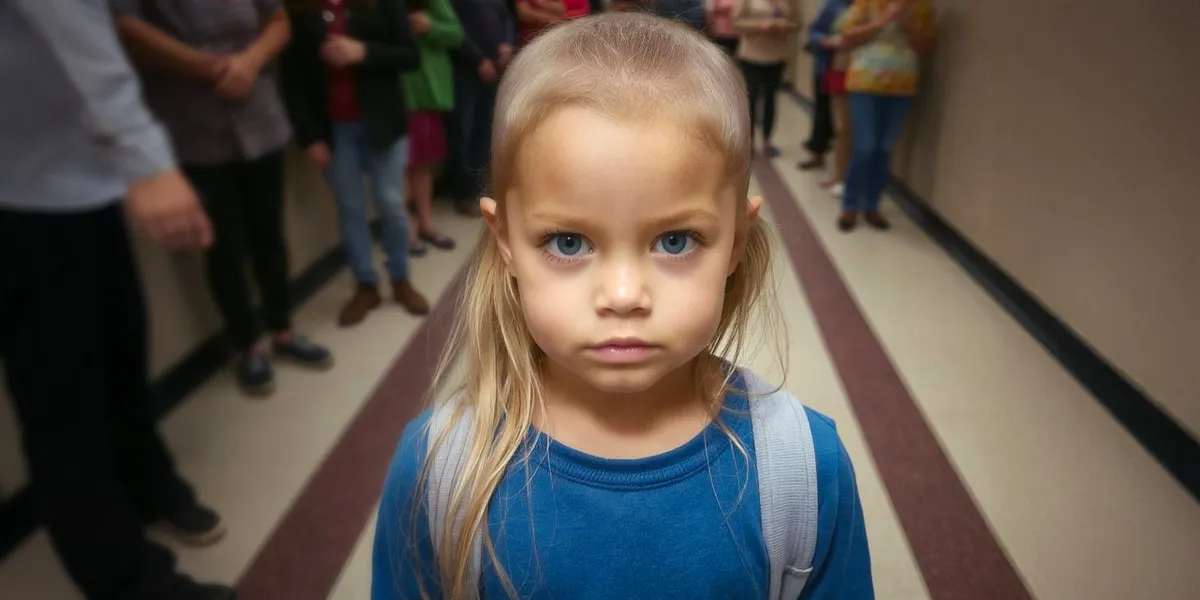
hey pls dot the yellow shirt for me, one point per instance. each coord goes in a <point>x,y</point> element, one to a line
<point>887,65</point>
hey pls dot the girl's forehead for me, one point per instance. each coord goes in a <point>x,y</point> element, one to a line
<point>587,160</point>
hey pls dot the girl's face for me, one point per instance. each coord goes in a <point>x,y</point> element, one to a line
<point>620,237</point>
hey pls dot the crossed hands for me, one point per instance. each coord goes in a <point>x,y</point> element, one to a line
<point>234,75</point>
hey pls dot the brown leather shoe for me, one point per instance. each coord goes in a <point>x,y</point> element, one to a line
<point>366,299</point>
<point>409,297</point>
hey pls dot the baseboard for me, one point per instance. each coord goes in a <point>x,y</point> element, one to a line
<point>1164,438</point>
<point>18,514</point>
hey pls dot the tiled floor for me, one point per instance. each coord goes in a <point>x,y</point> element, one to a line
<point>1072,506</point>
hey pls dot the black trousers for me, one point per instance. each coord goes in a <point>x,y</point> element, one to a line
<point>245,202</point>
<point>73,341</point>
<point>763,81</point>
<point>820,138</point>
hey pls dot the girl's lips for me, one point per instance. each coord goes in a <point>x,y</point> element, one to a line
<point>622,351</point>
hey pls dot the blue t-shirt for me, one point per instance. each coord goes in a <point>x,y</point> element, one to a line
<point>683,524</point>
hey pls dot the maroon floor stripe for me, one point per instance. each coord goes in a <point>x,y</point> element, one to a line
<point>308,549</point>
<point>959,556</point>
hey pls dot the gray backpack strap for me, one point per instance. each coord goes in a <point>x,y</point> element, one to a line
<point>787,485</point>
<point>446,467</point>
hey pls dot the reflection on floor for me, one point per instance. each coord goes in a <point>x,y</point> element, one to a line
<point>986,471</point>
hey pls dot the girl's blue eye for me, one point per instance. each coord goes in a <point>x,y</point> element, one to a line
<point>567,245</point>
<point>675,242</point>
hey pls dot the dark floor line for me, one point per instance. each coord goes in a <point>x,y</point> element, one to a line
<point>306,553</point>
<point>955,549</point>
<point>1161,435</point>
<point>18,515</point>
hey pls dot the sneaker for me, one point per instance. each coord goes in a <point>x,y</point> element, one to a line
<point>194,525</point>
<point>409,297</point>
<point>837,190</point>
<point>297,349</point>
<point>365,299</point>
<point>254,373</point>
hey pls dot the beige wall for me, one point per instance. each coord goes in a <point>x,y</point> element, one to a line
<point>1063,139</point>
<point>181,311</point>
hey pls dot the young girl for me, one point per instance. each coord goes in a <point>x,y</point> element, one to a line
<point>602,443</point>
<point>887,37</point>
<point>429,91</point>
<point>767,27</point>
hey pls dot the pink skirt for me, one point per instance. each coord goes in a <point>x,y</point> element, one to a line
<point>426,139</point>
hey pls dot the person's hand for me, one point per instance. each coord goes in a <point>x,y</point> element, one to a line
<point>215,68</point>
<point>319,154</point>
<point>238,74</point>
<point>341,51</point>
<point>832,42</point>
<point>487,71</point>
<point>419,22</point>
<point>503,55</point>
<point>167,209</point>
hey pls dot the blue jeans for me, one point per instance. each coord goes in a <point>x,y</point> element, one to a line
<point>469,134</point>
<point>353,155</point>
<point>877,122</point>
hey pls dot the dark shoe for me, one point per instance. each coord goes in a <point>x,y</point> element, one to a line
<point>181,587</point>
<point>186,589</point>
<point>877,221</point>
<point>366,298</point>
<point>437,240</point>
<point>254,373</point>
<point>193,525</point>
<point>771,151</point>
<point>299,350</point>
<point>418,249</point>
<point>408,297</point>
<point>847,221</point>
<point>816,162</point>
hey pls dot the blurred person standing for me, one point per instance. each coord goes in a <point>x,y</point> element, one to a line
<point>886,39</point>
<point>487,46</point>
<point>719,17</point>
<point>767,27</point>
<point>208,72</point>
<point>78,150</point>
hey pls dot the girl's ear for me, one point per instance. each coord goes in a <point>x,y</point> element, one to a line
<point>495,224</point>
<point>753,206</point>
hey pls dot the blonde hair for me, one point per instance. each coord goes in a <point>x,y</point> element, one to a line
<point>628,66</point>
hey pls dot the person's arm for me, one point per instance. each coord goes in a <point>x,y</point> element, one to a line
<point>402,561</point>
<point>744,22</point>
<point>295,84</point>
<point>467,54</point>
<point>275,35</point>
<point>921,27</point>
<point>527,12</point>
<point>858,28</point>
<point>841,568</point>
<point>821,30</point>
<point>82,36</point>
<point>445,30</point>
<point>153,49</point>
<point>398,51</point>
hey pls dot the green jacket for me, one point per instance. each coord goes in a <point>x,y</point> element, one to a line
<point>431,87</point>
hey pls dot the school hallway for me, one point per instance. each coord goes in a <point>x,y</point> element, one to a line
<point>986,469</point>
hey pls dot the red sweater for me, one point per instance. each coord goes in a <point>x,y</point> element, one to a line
<point>343,100</point>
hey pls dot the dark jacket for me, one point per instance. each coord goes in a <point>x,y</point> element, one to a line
<point>487,24</point>
<point>390,51</point>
